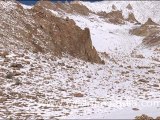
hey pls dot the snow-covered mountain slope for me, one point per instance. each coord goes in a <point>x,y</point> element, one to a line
<point>43,86</point>
<point>141,9</point>
<point>108,37</point>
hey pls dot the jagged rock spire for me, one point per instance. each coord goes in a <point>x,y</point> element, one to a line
<point>114,7</point>
<point>150,22</point>
<point>129,7</point>
<point>131,18</point>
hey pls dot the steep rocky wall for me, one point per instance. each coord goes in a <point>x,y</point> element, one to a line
<point>67,37</point>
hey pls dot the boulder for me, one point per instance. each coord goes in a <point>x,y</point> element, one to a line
<point>78,95</point>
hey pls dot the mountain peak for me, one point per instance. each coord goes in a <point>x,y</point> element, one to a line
<point>129,7</point>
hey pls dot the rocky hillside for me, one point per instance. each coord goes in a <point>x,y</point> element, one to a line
<point>39,30</point>
<point>47,53</point>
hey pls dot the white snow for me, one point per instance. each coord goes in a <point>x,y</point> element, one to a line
<point>26,6</point>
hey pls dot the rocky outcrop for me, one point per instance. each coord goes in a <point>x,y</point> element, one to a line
<point>38,30</point>
<point>131,18</point>
<point>150,31</point>
<point>150,22</point>
<point>129,7</point>
<point>114,7</point>
<point>149,27</point>
<point>152,40</point>
<point>72,7</point>
<point>145,117</point>
<point>114,17</point>
<point>66,36</point>
<point>79,8</point>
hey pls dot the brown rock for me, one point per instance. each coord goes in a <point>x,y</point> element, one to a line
<point>68,37</point>
<point>16,73</point>
<point>17,82</point>
<point>72,7</point>
<point>129,7</point>
<point>4,54</point>
<point>131,18</point>
<point>79,8</point>
<point>78,95</point>
<point>146,29</point>
<point>143,81</point>
<point>143,117</point>
<point>114,17</point>
<point>155,85</point>
<point>16,65</point>
<point>6,60</point>
<point>152,40</point>
<point>27,57</point>
<point>114,7</point>
<point>9,75</point>
<point>139,56</point>
<point>150,22</point>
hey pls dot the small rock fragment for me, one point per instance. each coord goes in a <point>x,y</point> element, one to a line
<point>135,109</point>
<point>78,95</point>
<point>9,75</point>
<point>17,65</point>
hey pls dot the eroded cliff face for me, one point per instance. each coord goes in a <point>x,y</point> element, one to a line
<point>39,30</point>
